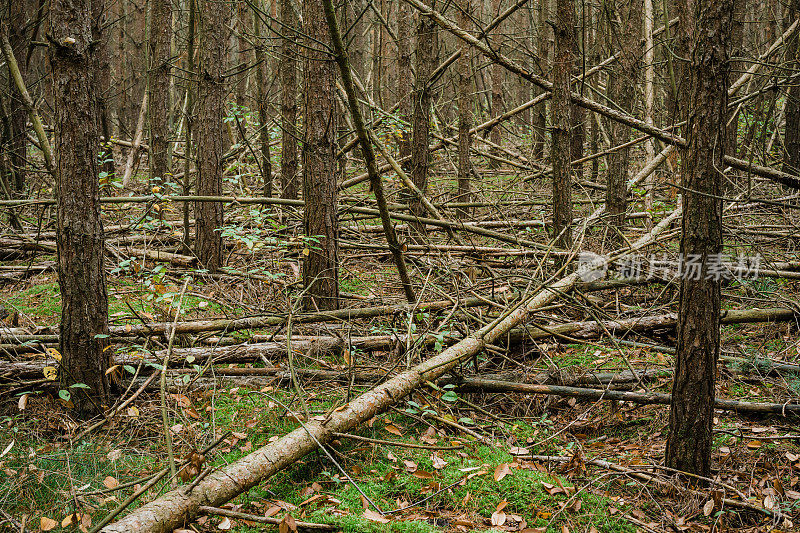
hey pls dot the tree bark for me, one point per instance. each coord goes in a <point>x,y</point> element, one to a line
<point>81,274</point>
<point>425,61</point>
<point>320,221</point>
<point>404,78</point>
<point>17,112</point>
<point>464,115</point>
<point>263,105</point>
<point>288,79</point>
<point>791,157</point>
<point>624,20</point>
<point>497,74</point>
<point>160,72</point>
<point>214,19</point>
<point>692,408</point>
<point>561,123</point>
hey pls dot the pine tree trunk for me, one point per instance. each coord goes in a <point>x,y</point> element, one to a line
<point>497,72</point>
<point>561,122</point>
<point>213,18</point>
<point>158,84</point>
<point>320,262</point>
<point>18,114</point>
<point>425,62</point>
<point>692,407</point>
<point>464,113</point>
<point>625,23</point>
<point>288,78</point>
<point>81,274</point>
<point>404,77</point>
<point>791,157</point>
<point>263,105</point>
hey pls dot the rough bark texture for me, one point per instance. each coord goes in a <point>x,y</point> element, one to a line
<point>464,114</point>
<point>102,42</point>
<point>213,18</point>
<point>17,113</point>
<point>561,122</point>
<point>158,85</point>
<point>425,62</point>
<point>543,46</point>
<point>79,237</point>
<point>404,77</point>
<point>624,20</point>
<point>497,74</point>
<point>320,264</point>
<point>263,106</point>
<point>791,161</point>
<point>288,78</point>
<point>692,408</point>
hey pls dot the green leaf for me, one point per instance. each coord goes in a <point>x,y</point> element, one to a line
<point>79,386</point>
<point>466,421</point>
<point>64,395</point>
<point>129,369</point>
<point>450,396</point>
<point>102,336</point>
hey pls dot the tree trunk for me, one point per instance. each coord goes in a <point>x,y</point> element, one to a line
<point>624,20</point>
<point>18,114</point>
<point>464,114</point>
<point>425,61</point>
<point>497,73</point>
<point>81,274</point>
<point>288,78</point>
<point>538,135</point>
<point>692,407</point>
<point>561,121</point>
<point>791,157</point>
<point>404,78</point>
<point>158,84</point>
<point>213,19</point>
<point>263,105</point>
<point>320,221</point>
<point>101,38</point>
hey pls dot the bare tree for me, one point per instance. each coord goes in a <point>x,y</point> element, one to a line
<point>288,77</point>
<point>213,18</point>
<point>320,221</point>
<point>624,20</point>
<point>692,406</point>
<point>791,157</point>
<point>427,43</point>
<point>464,112</point>
<point>561,122</point>
<point>79,238</point>
<point>158,84</point>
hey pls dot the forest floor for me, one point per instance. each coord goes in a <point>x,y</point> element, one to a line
<point>442,460</point>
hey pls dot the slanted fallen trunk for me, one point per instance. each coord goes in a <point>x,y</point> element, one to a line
<point>176,508</point>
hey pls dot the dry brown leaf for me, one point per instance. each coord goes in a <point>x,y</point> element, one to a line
<point>46,524</point>
<point>224,524</point>
<point>501,471</point>
<point>411,466</point>
<point>708,508</point>
<point>287,525</point>
<point>111,482</point>
<point>422,474</point>
<point>394,430</point>
<point>498,518</point>
<point>369,514</point>
<point>754,444</point>
<point>438,462</point>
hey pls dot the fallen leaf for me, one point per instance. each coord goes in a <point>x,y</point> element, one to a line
<point>501,471</point>
<point>133,412</point>
<point>516,450</point>
<point>438,462</point>
<point>421,474</point>
<point>369,514</point>
<point>50,373</point>
<point>708,508</point>
<point>754,444</point>
<point>224,524</point>
<point>394,430</point>
<point>46,524</point>
<point>498,518</point>
<point>111,482</point>
<point>23,402</point>
<point>411,466</point>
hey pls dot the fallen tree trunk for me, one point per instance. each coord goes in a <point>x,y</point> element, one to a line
<point>177,507</point>
<point>490,385</point>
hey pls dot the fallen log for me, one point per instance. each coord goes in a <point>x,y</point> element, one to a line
<point>177,508</point>
<point>490,385</point>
